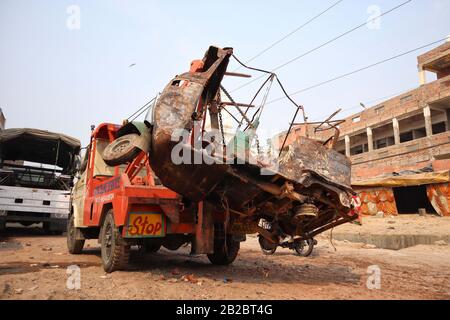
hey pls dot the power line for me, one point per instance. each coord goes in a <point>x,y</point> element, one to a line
<point>291,33</point>
<point>327,43</point>
<point>369,102</point>
<point>360,69</point>
<point>144,107</point>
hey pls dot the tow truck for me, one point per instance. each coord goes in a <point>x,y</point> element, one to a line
<point>132,192</point>
<point>125,205</point>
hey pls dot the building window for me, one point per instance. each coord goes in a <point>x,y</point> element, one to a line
<point>380,144</point>
<point>407,136</point>
<point>356,119</point>
<point>357,150</point>
<point>379,110</point>
<point>406,98</point>
<point>439,128</point>
<point>419,133</point>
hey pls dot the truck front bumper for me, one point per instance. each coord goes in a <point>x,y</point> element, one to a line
<point>14,217</point>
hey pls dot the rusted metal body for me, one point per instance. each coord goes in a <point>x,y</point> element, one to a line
<point>308,173</point>
<point>176,110</point>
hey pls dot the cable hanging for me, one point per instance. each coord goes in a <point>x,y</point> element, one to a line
<point>326,43</point>
<point>291,33</point>
<point>358,70</point>
<point>144,107</point>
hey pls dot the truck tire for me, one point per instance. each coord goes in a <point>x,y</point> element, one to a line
<point>2,225</point>
<point>121,150</point>
<point>75,246</point>
<point>115,251</point>
<point>224,254</point>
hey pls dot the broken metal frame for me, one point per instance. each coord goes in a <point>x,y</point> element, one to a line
<point>331,124</point>
<point>318,174</point>
<point>270,79</point>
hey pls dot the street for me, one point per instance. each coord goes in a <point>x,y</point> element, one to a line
<point>35,266</point>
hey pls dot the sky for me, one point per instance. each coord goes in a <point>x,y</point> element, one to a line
<point>65,65</point>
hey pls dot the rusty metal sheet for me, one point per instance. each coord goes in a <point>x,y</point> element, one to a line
<point>308,173</point>
<point>174,111</point>
<point>310,155</point>
<point>439,196</point>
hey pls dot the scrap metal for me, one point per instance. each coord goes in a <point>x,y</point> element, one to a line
<point>309,176</point>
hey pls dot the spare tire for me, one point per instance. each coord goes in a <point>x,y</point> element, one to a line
<point>121,151</point>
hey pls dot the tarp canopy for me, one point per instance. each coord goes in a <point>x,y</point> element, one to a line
<point>406,180</point>
<point>39,146</point>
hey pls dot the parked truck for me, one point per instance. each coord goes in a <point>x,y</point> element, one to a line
<point>134,190</point>
<point>37,169</point>
<point>126,205</point>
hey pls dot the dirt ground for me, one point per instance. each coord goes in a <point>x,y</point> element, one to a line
<point>34,266</point>
<point>412,224</point>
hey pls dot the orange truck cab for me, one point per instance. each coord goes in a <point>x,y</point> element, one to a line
<point>124,206</point>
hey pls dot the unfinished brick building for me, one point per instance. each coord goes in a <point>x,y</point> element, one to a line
<point>400,149</point>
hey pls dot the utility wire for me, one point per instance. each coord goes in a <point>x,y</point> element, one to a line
<point>291,33</point>
<point>368,102</point>
<point>139,111</point>
<point>327,43</point>
<point>359,70</point>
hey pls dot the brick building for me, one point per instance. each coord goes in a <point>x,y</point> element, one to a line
<point>400,149</point>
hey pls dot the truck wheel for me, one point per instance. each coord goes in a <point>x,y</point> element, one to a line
<point>2,225</point>
<point>224,254</point>
<point>115,250</point>
<point>121,150</point>
<point>75,246</point>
